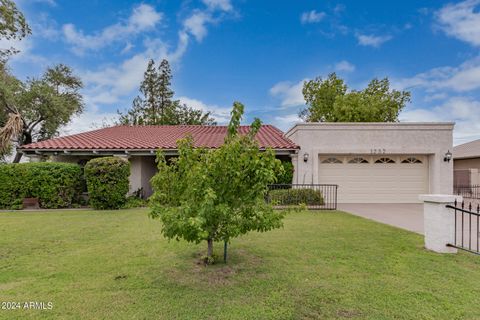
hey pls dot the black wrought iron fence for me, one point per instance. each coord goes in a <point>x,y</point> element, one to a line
<point>467,222</point>
<point>469,192</point>
<point>313,196</point>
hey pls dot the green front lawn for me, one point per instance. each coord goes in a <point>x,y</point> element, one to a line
<point>116,265</point>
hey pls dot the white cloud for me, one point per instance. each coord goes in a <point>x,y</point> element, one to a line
<point>463,78</point>
<point>461,20</point>
<point>312,17</point>
<point>223,5</point>
<point>372,40</point>
<point>436,96</point>
<point>221,114</point>
<point>345,66</point>
<point>464,111</point>
<point>289,93</point>
<point>45,27</point>
<point>196,24</point>
<point>49,2</point>
<point>25,52</point>
<point>109,83</point>
<point>339,8</point>
<point>91,119</point>
<point>129,46</point>
<point>143,18</point>
<point>287,121</point>
<point>52,3</point>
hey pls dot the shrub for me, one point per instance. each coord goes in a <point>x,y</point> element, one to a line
<point>135,202</point>
<point>55,184</point>
<point>107,182</point>
<point>285,176</point>
<point>287,197</point>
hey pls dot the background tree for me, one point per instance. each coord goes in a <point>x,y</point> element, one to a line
<point>156,105</point>
<point>216,195</point>
<point>39,106</point>
<point>330,101</point>
<point>12,26</point>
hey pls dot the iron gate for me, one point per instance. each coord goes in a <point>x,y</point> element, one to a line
<point>469,192</point>
<point>467,222</point>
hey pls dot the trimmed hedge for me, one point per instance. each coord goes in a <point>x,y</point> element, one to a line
<point>107,182</point>
<point>55,184</point>
<point>288,197</point>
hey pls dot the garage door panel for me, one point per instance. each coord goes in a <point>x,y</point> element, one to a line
<point>376,182</point>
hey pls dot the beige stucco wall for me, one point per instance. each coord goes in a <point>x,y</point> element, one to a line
<point>142,169</point>
<point>472,166</point>
<point>430,139</point>
<point>466,163</point>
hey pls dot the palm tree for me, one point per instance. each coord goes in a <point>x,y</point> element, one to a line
<point>11,130</point>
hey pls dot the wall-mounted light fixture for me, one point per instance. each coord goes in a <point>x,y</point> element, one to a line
<point>305,157</point>
<point>448,156</point>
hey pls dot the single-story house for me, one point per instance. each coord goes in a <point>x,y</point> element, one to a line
<point>139,145</point>
<point>375,162</point>
<point>370,162</point>
<point>466,164</point>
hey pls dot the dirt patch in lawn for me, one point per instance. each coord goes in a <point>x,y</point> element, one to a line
<point>241,265</point>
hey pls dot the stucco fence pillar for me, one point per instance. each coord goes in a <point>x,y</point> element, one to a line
<point>439,222</point>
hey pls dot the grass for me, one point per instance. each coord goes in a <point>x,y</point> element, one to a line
<point>328,265</point>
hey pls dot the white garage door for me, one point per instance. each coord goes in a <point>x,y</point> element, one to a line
<point>376,179</point>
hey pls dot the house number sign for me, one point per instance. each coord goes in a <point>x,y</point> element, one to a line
<point>378,151</point>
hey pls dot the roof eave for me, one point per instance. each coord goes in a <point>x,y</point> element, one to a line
<point>126,152</point>
<point>466,157</point>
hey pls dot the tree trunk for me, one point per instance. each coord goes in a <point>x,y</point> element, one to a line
<point>210,248</point>
<point>225,246</point>
<point>18,157</point>
<point>26,139</point>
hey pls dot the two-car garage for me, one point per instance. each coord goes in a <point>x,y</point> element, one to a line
<point>375,162</point>
<point>375,179</point>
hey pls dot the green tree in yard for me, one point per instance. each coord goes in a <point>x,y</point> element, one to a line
<point>286,175</point>
<point>157,106</point>
<point>329,100</point>
<point>13,26</point>
<point>216,195</point>
<point>37,108</point>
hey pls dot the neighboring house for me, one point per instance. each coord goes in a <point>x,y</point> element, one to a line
<point>466,164</point>
<point>375,162</point>
<point>139,144</point>
<point>370,162</point>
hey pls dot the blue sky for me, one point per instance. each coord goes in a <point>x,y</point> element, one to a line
<point>260,52</point>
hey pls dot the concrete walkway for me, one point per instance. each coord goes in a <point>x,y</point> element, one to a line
<point>407,216</point>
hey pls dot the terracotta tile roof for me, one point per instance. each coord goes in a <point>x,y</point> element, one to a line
<point>467,150</point>
<point>155,137</point>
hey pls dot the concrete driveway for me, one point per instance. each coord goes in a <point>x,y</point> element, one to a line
<point>407,216</point>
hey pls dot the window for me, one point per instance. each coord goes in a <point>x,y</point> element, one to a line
<point>332,160</point>
<point>385,160</point>
<point>358,160</point>
<point>411,160</point>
